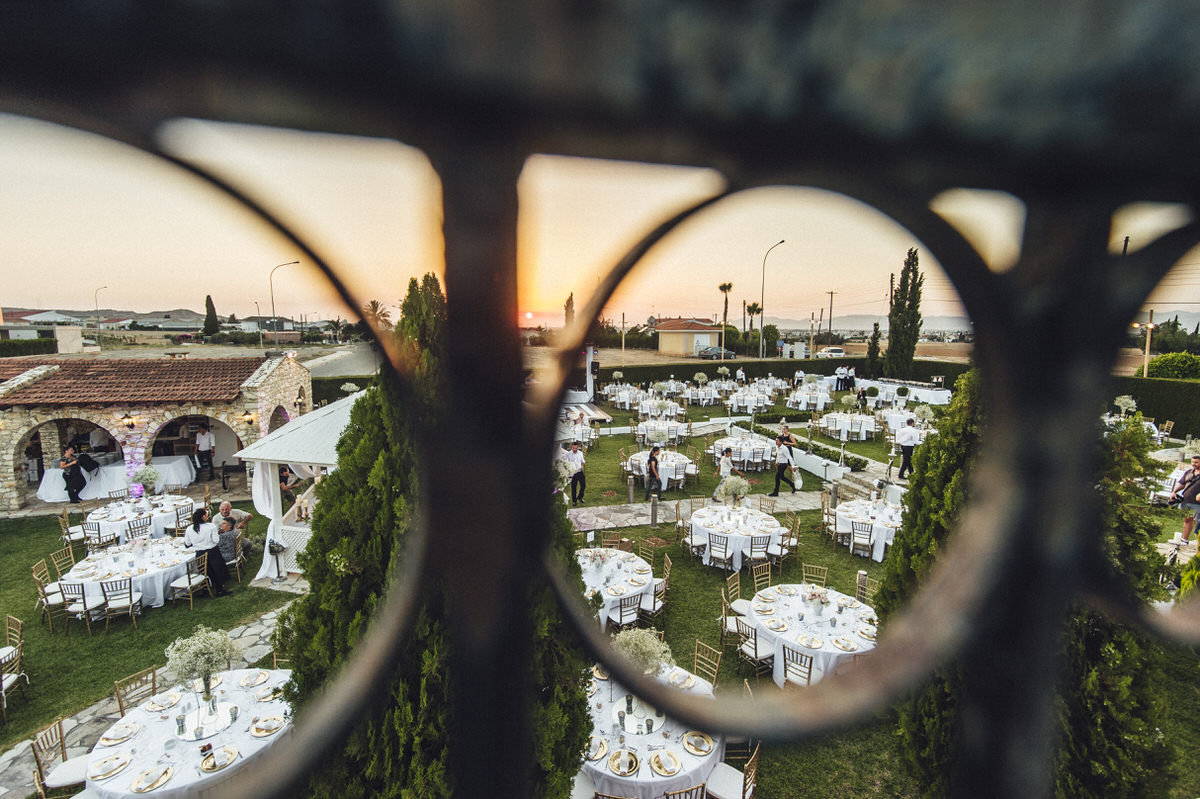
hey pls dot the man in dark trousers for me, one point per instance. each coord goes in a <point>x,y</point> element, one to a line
<point>72,474</point>
<point>907,437</point>
<point>206,442</point>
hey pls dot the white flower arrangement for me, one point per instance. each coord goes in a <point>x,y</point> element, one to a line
<point>1126,403</point>
<point>924,414</point>
<point>349,388</point>
<point>734,488</point>
<point>661,406</point>
<point>147,476</point>
<point>563,471</point>
<point>700,378</point>
<point>618,375</point>
<point>200,654</point>
<point>811,379</point>
<point>723,371</point>
<point>660,387</point>
<point>817,594</point>
<point>338,564</point>
<point>643,649</point>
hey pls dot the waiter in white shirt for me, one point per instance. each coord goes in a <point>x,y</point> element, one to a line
<point>206,442</point>
<point>907,437</point>
<point>578,481</point>
<point>783,462</point>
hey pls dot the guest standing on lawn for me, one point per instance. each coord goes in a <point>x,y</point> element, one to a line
<point>578,480</point>
<point>724,469</point>
<point>907,438</point>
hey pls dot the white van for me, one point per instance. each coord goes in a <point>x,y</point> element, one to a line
<point>831,352</point>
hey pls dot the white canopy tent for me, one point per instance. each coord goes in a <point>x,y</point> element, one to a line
<point>305,444</point>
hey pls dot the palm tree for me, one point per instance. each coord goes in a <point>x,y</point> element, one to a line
<point>724,288</point>
<point>752,309</point>
<point>376,315</point>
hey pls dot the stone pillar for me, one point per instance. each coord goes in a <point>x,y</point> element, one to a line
<point>51,444</point>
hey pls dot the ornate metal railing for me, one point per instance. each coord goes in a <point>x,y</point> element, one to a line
<point>888,103</point>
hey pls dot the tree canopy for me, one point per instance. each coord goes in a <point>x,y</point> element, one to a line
<point>211,323</point>
<point>569,310</point>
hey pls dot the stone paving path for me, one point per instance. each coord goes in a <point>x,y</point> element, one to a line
<point>84,729</point>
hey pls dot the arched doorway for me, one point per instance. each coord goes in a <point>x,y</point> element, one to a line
<point>279,417</point>
<point>175,442</point>
<point>38,449</point>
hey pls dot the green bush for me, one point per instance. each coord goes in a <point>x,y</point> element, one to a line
<point>1176,365</point>
<point>872,391</point>
<point>12,347</point>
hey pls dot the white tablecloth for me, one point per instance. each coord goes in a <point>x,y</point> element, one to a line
<point>738,523</point>
<point>110,477</point>
<point>156,742</point>
<point>747,401</point>
<point>661,432</point>
<point>700,396</point>
<point>651,408</point>
<point>671,465</point>
<point>609,570</point>
<point>114,517</point>
<point>627,399</point>
<point>174,470</point>
<point>152,568</point>
<point>807,400</point>
<point>646,783</point>
<point>742,448</point>
<point>822,621</point>
<point>927,395</point>
<point>838,424</point>
<point>884,518</point>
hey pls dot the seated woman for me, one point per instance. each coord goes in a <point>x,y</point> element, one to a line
<point>204,537</point>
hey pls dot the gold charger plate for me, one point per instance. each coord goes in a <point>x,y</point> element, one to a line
<point>867,632</point>
<point>213,682</point>
<point>630,558</point>
<point>597,748</point>
<point>616,590</point>
<point>599,673</point>
<point>682,679</point>
<point>592,688</point>
<point>847,602</point>
<point>268,694</point>
<point>664,763</point>
<point>251,680</point>
<point>810,641</point>
<point>152,778</point>
<point>637,581</point>
<point>642,570</point>
<point>268,726</point>
<point>120,733</point>
<point>777,625</point>
<point>623,762</point>
<point>868,616</point>
<point>845,644</point>
<point>109,766</point>
<point>763,610</point>
<point>170,700</point>
<point>210,764</point>
<point>698,743</point>
<point>786,590</point>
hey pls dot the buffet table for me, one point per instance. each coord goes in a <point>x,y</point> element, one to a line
<point>614,574</point>
<point>832,634</point>
<point>623,759</point>
<point>737,523</point>
<point>158,743</point>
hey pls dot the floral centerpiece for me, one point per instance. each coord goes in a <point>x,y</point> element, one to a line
<point>700,378</point>
<point>563,471</point>
<point>812,379</point>
<point>199,655</point>
<point>661,406</point>
<point>643,649</point>
<point>723,371</point>
<point>734,488</point>
<point>660,387</point>
<point>817,594</point>
<point>348,388</point>
<point>1126,404</point>
<point>924,414</point>
<point>147,476</point>
<point>618,375</point>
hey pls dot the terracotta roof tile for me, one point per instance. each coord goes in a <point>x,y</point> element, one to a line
<point>97,381</point>
<point>678,325</point>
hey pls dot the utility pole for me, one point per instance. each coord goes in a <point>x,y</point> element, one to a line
<point>622,338</point>
<point>811,351</point>
<point>743,317</point>
<point>820,322</point>
<point>831,293</point>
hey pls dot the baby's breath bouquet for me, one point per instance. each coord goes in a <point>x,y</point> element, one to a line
<point>147,476</point>
<point>1126,403</point>
<point>700,378</point>
<point>924,414</point>
<point>660,387</point>
<point>199,655</point>
<point>734,488</point>
<point>643,649</point>
<point>723,371</point>
<point>618,375</point>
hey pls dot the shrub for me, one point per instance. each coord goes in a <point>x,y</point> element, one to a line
<point>872,391</point>
<point>1177,365</point>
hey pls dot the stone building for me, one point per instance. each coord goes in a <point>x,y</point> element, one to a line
<point>146,406</point>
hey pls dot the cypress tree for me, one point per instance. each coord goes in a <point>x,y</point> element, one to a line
<point>359,527</point>
<point>904,320</point>
<point>873,352</point>
<point>569,309</point>
<point>212,325</point>
<point>1111,694</point>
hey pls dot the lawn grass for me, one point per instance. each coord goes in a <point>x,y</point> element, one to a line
<point>863,762</point>
<point>69,673</point>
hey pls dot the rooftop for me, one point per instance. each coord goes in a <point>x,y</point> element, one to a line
<point>683,325</point>
<point>102,382</point>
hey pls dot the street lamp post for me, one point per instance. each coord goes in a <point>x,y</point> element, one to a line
<point>1149,325</point>
<point>96,303</point>
<point>271,282</point>
<point>762,302</point>
<point>258,313</point>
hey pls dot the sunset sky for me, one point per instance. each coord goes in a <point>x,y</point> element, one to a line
<point>82,212</point>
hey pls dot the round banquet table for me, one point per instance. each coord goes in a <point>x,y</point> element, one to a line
<point>152,566</point>
<point>700,396</point>
<point>114,517</point>
<point>883,516</point>
<point>807,400</point>
<point>110,477</point>
<point>614,574</point>
<point>741,447</point>
<point>661,432</point>
<point>830,637</point>
<point>650,408</point>
<point>152,742</point>
<point>738,523</point>
<point>638,460</point>
<point>747,401</point>
<point>605,699</point>
<point>838,424</point>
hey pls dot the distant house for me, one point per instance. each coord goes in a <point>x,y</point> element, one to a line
<point>686,336</point>
<point>116,323</point>
<point>40,318</point>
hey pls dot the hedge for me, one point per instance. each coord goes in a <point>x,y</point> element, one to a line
<point>330,388</point>
<point>779,367</point>
<point>12,347</point>
<point>1163,399</point>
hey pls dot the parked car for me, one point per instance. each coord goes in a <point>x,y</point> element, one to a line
<point>831,352</point>
<point>715,354</point>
